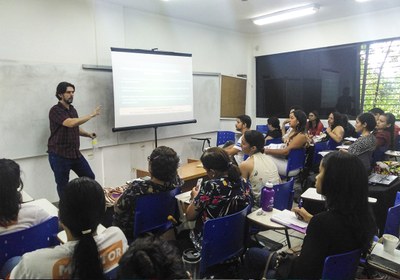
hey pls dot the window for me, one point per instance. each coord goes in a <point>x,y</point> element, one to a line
<point>380,76</point>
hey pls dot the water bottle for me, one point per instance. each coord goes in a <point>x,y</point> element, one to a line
<point>94,148</point>
<point>267,197</point>
<point>191,260</point>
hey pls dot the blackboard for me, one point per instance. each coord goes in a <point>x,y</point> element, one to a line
<point>27,93</point>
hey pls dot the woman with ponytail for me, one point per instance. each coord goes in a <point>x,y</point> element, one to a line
<point>258,168</point>
<point>225,193</point>
<point>86,254</point>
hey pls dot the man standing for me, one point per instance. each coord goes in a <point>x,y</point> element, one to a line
<point>243,124</point>
<point>63,144</point>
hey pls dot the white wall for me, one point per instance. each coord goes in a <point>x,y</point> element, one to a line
<point>82,31</point>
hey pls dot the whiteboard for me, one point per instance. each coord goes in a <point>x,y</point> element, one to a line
<point>27,93</point>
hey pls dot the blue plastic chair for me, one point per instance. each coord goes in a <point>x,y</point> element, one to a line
<point>341,266</point>
<point>152,211</point>
<point>39,236</point>
<point>223,239</point>
<point>224,136</point>
<point>393,220</point>
<point>296,161</point>
<point>283,198</point>
<point>273,141</point>
<point>397,200</point>
<point>262,128</point>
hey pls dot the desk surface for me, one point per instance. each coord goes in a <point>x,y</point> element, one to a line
<point>46,205</point>
<point>311,193</point>
<point>264,220</point>
<point>26,197</point>
<point>392,153</point>
<point>186,172</point>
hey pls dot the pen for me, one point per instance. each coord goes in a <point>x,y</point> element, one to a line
<point>300,204</point>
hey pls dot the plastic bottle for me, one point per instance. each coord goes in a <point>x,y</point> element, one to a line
<point>267,197</point>
<point>94,148</point>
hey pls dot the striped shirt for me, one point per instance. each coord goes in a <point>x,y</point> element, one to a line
<point>63,141</point>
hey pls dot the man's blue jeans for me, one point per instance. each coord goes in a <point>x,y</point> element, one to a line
<point>61,167</point>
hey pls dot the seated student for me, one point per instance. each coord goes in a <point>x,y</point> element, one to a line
<point>234,150</point>
<point>285,133</point>
<point>376,112</point>
<point>384,133</point>
<point>163,168</point>
<point>297,139</point>
<point>258,168</point>
<point>349,129</point>
<point>15,215</point>
<point>347,225</point>
<point>314,125</point>
<point>86,254</point>
<point>274,129</point>
<point>335,130</point>
<point>364,146</point>
<point>150,257</point>
<point>225,193</point>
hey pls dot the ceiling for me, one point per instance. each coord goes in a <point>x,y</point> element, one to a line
<point>235,15</point>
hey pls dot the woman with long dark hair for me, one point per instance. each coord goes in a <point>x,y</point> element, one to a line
<point>335,130</point>
<point>163,168</point>
<point>15,215</point>
<point>314,124</point>
<point>226,192</point>
<point>86,254</point>
<point>346,225</point>
<point>297,139</point>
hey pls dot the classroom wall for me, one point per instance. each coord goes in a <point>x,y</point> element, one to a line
<point>82,31</point>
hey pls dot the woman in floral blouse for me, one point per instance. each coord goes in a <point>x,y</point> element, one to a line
<point>225,193</point>
<point>163,165</point>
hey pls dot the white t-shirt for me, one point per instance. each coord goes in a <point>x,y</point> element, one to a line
<point>54,263</point>
<point>239,157</point>
<point>28,216</point>
<point>264,170</point>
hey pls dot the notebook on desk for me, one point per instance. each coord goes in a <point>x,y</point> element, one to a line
<point>381,179</point>
<point>385,261</point>
<point>289,219</point>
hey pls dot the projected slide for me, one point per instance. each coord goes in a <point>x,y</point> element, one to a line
<point>151,88</point>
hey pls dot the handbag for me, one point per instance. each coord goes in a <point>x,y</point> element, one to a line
<point>281,262</point>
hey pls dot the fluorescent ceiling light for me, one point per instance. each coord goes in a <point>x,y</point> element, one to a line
<point>362,1</point>
<point>287,14</point>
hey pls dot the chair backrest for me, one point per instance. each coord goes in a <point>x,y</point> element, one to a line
<point>397,200</point>
<point>341,266</point>
<point>319,147</point>
<point>393,220</point>
<point>283,198</point>
<point>262,128</point>
<point>331,144</point>
<point>223,239</point>
<point>39,236</point>
<point>273,141</point>
<point>296,160</point>
<point>152,211</point>
<point>224,136</point>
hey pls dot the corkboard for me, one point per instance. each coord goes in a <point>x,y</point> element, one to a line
<point>233,96</point>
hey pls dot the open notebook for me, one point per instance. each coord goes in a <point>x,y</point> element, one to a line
<point>289,219</point>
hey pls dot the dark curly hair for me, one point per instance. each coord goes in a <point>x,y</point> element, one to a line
<point>150,257</point>
<point>163,163</point>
